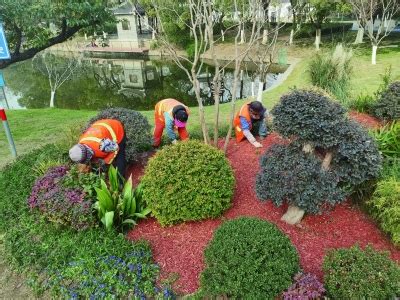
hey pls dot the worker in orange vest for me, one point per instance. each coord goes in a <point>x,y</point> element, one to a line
<point>249,115</point>
<point>172,115</point>
<point>103,142</point>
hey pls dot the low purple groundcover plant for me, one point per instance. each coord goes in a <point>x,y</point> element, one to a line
<point>59,204</point>
<point>306,286</point>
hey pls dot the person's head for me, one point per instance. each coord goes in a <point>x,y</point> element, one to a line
<point>80,153</point>
<point>180,118</point>
<point>256,110</point>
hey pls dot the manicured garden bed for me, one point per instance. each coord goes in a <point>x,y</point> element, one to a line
<point>179,249</point>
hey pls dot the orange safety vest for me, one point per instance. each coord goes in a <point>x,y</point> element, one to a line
<point>167,105</point>
<point>103,129</point>
<point>243,112</point>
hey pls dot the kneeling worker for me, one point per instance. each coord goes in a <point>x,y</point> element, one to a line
<point>103,142</point>
<point>170,114</point>
<point>250,116</point>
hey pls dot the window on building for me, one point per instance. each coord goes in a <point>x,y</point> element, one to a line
<point>126,25</point>
<point>133,78</point>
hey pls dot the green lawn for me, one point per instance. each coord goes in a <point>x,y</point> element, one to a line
<point>36,127</point>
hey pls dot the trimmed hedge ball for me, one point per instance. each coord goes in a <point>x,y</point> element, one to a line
<point>188,181</point>
<point>361,274</point>
<point>248,258</point>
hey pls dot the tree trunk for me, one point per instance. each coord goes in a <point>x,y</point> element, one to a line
<point>291,36</point>
<point>293,215</point>
<point>374,49</point>
<point>222,35</point>
<point>260,91</point>
<point>153,34</point>
<point>360,35</point>
<point>52,95</point>
<point>242,37</point>
<point>327,160</point>
<point>252,88</point>
<point>308,148</point>
<point>265,37</point>
<point>317,38</point>
<point>196,87</point>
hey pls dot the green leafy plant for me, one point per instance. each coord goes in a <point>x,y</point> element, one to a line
<point>326,156</point>
<point>332,72</point>
<point>42,167</point>
<point>388,139</point>
<point>362,103</point>
<point>136,127</point>
<point>248,258</point>
<point>304,183</point>
<point>188,181</point>
<point>119,207</point>
<point>360,274</point>
<point>387,106</point>
<point>86,181</point>
<point>385,207</point>
<point>59,259</point>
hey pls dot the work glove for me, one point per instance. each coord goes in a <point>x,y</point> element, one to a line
<point>257,144</point>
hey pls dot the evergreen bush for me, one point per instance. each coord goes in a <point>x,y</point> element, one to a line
<point>327,157</point>
<point>387,106</point>
<point>287,173</point>
<point>248,258</point>
<point>188,181</point>
<point>136,126</point>
<point>360,274</point>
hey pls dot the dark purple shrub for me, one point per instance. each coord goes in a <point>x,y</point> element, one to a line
<point>306,287</point>
<point>60,204</point>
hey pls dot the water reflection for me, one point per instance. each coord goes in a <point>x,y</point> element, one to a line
<point>131,83</point>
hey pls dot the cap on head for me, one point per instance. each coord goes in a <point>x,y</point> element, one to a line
<point>79,153</point>
<point>181,117</point>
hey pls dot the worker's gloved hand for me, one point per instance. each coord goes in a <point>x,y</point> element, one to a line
<point>257,144</point>
<point>174,142</point>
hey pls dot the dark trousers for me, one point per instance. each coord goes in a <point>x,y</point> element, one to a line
<point>120,160</point>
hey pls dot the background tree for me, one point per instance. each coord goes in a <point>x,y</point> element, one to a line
<point>367,12</point>
<point>32,26</point>
<point>57,69</point>
<point>318,12</point>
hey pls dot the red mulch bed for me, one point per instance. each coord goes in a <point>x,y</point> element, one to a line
<point>179,249</point>
<point>365,120</point>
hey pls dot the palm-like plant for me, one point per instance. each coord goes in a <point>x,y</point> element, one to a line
<point>119,206</point>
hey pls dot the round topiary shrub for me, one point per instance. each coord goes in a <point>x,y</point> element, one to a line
<point>287,173</point>
<point>361,274</point>
<point>136,126</point>
<point>188,181</point>
<point>248,258</point>
<point>327,157</point>
<point>387,107</point>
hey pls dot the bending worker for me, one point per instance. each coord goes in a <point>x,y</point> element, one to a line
<point>250,117</point>
<point>170,114</point>
<point>103,142</point>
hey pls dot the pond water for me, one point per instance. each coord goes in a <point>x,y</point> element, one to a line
<point>132,83</point>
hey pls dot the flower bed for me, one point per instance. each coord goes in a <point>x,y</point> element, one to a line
<point>179,249</point>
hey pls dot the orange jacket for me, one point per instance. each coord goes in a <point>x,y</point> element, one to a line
<point>167,105</point>
<point>101,129</point>
<point>243,112</point>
